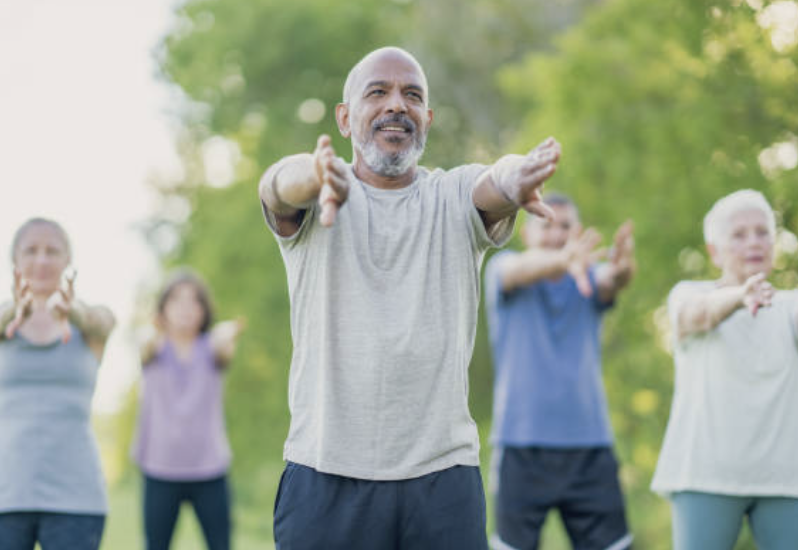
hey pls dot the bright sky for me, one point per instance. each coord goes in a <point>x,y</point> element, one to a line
<point>82,126</point>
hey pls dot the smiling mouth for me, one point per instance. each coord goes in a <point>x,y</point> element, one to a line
<point>394,125</point>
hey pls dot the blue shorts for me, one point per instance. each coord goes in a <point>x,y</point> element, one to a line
<point>52,530</point>
<point>581,483</point>
<point>440,511</point>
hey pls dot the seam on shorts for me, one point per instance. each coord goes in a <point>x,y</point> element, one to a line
<point>494,474</point>
<point>623,542</point>
<point>496,543</point>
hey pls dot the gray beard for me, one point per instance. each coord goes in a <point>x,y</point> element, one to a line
<point>390,165</point>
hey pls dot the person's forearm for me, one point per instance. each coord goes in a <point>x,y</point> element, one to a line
<point>150,348</point>
<point>290,185</point>
<point>609,283</point>
<point>224,336</point>
<point>493,204</point>
<point>704,313</point>
<point>7,311</point>
<point>94,322</point>
<point>532,266</point>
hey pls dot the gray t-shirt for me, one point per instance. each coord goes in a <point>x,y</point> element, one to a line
<point>49,459</point>
<point>383,316</point>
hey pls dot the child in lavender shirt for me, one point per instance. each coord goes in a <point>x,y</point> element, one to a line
<point>181,445</point>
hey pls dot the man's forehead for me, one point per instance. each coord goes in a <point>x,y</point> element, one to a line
<point>386,65</point>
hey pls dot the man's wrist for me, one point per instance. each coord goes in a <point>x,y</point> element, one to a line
<point>501,191</point>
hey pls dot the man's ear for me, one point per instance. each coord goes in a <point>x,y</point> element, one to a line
<point>342,118</point>
<point>429,117</point>
<point>714,255</point>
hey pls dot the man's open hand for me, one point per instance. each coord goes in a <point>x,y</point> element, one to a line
<point>520,178</point>
<point>333,174</point>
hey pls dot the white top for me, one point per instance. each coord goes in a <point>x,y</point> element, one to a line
<point>733,427</point>
<point>383,318</point>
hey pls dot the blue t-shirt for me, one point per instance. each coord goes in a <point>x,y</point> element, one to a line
<point>548,390</point>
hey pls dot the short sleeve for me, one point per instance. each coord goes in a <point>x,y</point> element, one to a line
<point>677,297</point>
<point>600,305</point>
<point>308,217</point>
<point>466,179</point>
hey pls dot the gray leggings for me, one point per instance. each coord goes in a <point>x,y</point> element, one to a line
<point>710,521</point>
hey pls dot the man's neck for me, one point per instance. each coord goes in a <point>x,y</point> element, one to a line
<point>368,176</point>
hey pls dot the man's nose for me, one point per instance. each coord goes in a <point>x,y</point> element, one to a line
<point>396,102</point>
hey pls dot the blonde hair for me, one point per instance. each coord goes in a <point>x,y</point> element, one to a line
<point>20,232</point>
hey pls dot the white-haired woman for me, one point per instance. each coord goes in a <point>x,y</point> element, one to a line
<point>51,485</point>
<point>731,446</point>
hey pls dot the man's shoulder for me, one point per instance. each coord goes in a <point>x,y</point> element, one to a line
<point>464,172</point>
<point>691,287</point>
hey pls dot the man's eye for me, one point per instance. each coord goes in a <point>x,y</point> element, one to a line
<point>376,92</point>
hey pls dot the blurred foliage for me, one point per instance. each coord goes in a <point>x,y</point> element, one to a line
<point>661,107</point>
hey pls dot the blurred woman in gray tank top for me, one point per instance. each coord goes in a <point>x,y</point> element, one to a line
<point>51,484</point>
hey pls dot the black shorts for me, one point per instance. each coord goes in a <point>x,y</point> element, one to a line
<point>581,483</point>
<point>440,511</point>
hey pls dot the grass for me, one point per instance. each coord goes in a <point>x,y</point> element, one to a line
<point>123,531</point>
<point>252,511</point>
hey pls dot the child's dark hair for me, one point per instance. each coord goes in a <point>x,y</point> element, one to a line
<point>188,276</point>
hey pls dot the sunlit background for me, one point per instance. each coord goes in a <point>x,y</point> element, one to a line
<point>143,126</point>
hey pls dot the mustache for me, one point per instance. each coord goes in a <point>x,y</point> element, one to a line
<point>398,119</point>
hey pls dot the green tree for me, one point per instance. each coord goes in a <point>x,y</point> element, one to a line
<point>662,108</point>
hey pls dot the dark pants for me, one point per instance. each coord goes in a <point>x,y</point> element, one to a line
<point>211,502</point>
<point>441,511</point>
<point>581,483</point>
<point>53,531</point>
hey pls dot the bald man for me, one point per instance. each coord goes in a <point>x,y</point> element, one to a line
<point>383,259</point>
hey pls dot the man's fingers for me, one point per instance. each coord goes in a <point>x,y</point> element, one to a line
<point>329,210</point>
<point>337,177</point>
<point>598,254</point>
<point>548,144</point>
<point>70,282</point>
<point>66,331</point>
<point>330,202</point>
<point>11,328</point>
<point>753,281</point>
<point>589,239</point>
<point>530,186</point>
<point>323,141</point>
<point>539,208</point>
<point>323,149</point>
<point>17,281</point>
<point>583,283</point>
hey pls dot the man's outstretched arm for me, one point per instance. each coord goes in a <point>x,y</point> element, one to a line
<point>515,181</point>
<point>292,184</point>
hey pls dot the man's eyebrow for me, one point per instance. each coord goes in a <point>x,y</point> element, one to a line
<point>385,84</point>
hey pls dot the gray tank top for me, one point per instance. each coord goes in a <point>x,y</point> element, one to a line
<point>49,460</point>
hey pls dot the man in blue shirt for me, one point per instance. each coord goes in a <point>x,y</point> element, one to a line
<point>551,427</point>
